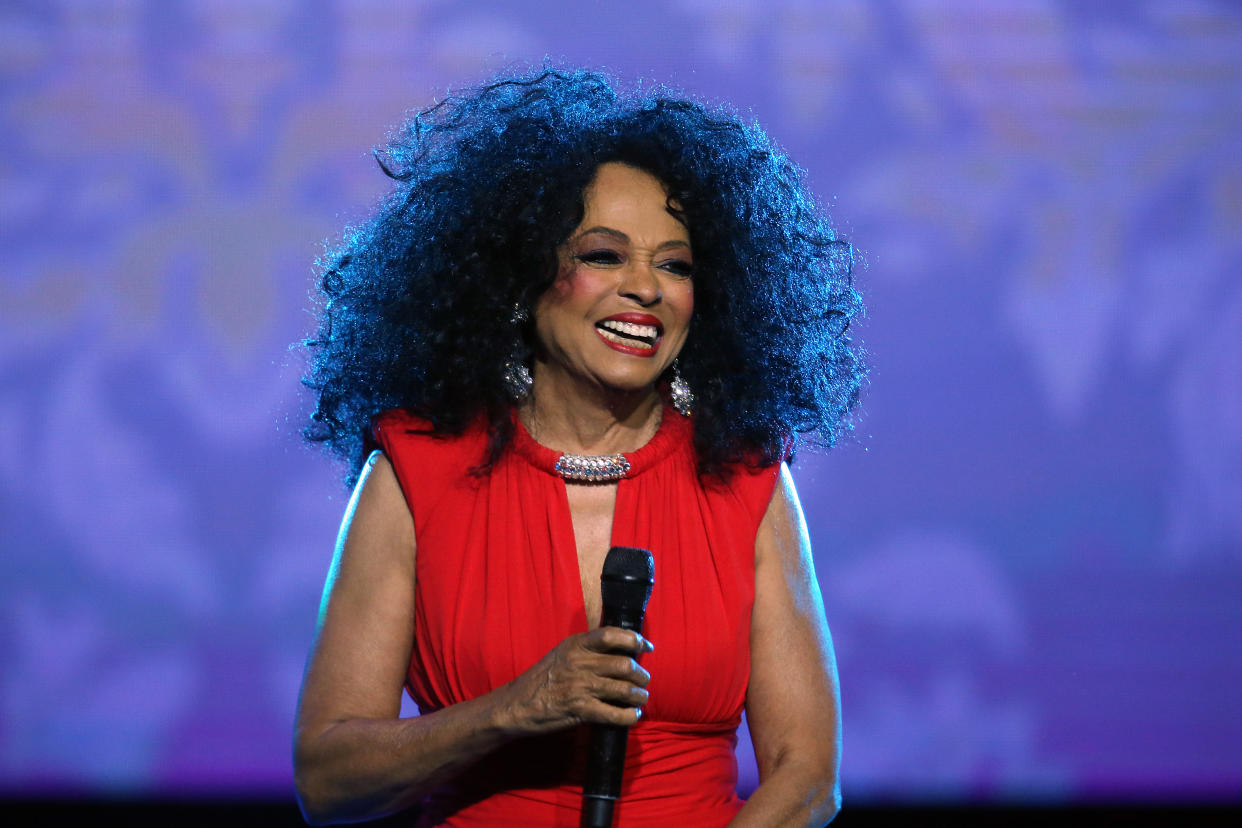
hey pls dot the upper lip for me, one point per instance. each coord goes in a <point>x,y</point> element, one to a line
<point>636,318</point>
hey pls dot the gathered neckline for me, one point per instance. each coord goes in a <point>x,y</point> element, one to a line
<point>674,430</point>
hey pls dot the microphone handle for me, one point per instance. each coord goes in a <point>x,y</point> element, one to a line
<point>605,763</point>
<point>605,758</point>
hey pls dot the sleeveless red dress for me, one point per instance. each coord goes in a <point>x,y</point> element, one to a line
<point>497,587</point>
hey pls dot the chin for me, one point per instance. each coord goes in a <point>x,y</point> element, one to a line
<point>631,387</point>
<point>629,384</point>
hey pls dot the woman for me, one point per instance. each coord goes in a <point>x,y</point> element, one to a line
<point>583,318</point>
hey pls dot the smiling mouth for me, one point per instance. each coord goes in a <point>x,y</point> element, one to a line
<point>629,334</point>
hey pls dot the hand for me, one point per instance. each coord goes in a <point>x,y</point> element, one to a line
<point>589,677</point>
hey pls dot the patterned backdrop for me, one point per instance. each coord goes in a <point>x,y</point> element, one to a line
<point>1030,553</point>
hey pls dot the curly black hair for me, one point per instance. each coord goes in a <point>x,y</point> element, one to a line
<point>418,303</point>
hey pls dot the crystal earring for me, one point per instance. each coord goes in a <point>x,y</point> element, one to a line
<point>679,390</point>
<point>516,375</point>
<point>517,379</point>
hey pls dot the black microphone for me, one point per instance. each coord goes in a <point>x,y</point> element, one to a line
<point>625,586</point>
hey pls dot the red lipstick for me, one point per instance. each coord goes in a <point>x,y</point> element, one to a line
<point>637,319</point>
<point>632,318</point>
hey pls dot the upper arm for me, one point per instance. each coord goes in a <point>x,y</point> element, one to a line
<point>362,646</point>
<point>792,703</point>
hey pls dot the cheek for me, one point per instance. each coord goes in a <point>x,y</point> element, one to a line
<point>561,289</point>
<point>575,284</point>
<point>683,300</point>
<point>566,301</point>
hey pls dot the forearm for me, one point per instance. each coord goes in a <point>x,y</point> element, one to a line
<point>794,794</point>
<point>364,768</point>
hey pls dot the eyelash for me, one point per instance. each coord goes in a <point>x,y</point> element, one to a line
<point>678,267</point>
<point>606,257</point>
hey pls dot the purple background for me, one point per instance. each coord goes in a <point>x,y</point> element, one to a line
<point>1031,555</point>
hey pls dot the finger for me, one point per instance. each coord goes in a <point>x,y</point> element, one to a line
<point>616,639</point>
<point>623,693</point>
<point>625,669</point>
<point>603,713</point>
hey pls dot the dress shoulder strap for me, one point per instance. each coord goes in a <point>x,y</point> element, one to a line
<point>427,464</point>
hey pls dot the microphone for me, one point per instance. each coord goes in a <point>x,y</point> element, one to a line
<point>625,586</point>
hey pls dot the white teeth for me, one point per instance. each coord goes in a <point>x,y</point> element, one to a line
<point>621,340</point>
<point>645,331</point>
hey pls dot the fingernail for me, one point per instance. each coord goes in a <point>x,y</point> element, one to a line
<point>647,646</point>
<point>639,712</point>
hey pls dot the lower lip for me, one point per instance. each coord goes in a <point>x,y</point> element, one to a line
<point>630,349</point>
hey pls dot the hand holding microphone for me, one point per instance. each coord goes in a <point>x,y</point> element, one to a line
<point>592,677</point>
<point>625,587</point>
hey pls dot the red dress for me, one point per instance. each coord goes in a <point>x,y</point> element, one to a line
<point>497,587</point>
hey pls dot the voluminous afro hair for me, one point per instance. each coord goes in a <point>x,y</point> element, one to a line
<point>418,302</point>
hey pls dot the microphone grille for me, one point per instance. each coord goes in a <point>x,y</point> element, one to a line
<point>629,563</point>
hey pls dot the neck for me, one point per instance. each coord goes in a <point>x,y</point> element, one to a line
<point>568,416</point>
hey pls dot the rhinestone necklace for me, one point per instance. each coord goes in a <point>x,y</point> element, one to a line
<point>592,468</point>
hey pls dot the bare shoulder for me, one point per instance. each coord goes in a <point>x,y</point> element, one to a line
<point>782,532</point>
<point>366,618</point>
<point>784,568</point>
<point>792,698</point>
<point>377,519</point>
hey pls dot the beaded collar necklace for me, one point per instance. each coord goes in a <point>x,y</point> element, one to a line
<point>592,468</point>
<point>674,430</point>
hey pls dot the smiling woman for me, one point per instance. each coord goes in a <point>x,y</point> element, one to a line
<point>506,357</point>
<point>624,287</point>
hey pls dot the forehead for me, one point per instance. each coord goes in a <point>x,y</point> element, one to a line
<point>633,201</point>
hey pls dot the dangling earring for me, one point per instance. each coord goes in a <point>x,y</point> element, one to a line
<point>516,375</point>
<point>679,390</point>
<point>517,380</point>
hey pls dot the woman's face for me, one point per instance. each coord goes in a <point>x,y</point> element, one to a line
<point>618,313</point>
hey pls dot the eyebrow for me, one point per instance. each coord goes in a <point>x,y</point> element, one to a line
<point>622,237</point>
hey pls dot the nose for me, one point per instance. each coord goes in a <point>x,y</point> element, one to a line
<point>641,284</point>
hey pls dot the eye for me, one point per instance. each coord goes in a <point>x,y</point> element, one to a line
<point>601,257</point>
<point>678,267</point>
